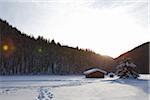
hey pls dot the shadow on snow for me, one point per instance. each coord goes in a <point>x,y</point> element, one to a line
<point>142,84</point>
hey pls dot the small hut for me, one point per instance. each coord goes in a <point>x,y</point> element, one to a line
<point>111,74</point>
<point>95,73</point>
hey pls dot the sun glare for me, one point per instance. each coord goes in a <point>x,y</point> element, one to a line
<point>104,31</point>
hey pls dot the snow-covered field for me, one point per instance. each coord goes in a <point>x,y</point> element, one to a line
<point>73,88</point>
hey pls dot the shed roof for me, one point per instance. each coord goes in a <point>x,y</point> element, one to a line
<point>94,70</point>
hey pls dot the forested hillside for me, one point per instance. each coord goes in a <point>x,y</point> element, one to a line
<point>22,54</point>
<point>139,55</point>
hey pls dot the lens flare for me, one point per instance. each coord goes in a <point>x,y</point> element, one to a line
<point>5,47</point>
<point>40,50</point>
<point>8,48</point>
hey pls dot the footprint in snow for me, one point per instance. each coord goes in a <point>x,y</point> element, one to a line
<point>44,94</point>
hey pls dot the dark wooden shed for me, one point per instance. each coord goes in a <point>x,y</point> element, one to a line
<point>95,73</point>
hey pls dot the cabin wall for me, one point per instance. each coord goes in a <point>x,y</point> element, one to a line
<point>95,75</point>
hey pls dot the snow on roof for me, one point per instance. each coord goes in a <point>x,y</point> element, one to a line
<point>126,64</point>
<point>94,70</point>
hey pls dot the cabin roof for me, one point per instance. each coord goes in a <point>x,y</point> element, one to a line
<point>94,70</point>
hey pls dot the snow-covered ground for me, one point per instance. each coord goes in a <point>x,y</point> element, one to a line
<point>73,88</point>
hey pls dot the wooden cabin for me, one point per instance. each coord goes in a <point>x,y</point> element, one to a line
<point>95,73</point>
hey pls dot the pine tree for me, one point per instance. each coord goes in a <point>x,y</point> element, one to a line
<point>127,69</point>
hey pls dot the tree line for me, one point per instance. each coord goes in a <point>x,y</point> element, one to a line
<point>22,54</point>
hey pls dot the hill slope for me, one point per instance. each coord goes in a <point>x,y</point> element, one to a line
<point>139,55</point>
<point>22,54</point>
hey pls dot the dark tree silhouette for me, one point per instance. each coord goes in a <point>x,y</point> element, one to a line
<point>23,54</point>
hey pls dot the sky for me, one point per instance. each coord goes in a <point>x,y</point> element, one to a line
<point>108,27</point>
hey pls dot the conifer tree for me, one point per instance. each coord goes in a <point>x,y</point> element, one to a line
<point>127,69</point>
